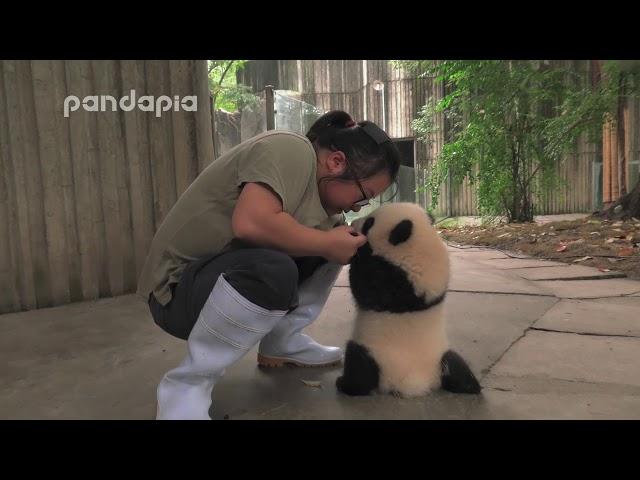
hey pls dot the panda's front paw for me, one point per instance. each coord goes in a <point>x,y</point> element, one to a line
<point>340,383</point>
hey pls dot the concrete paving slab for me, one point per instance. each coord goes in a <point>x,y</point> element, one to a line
<point>477,254</point>
<point>105,359</point>
<point>611,316</point>
<point>556,404</point>
<point>471,276</point>
<point>97,360</point>
<point>532,384</point>
<point>480,327</point>
<point>590,288</point>
<point>304,403</point>
<point>570,272</point>
<point>513,263</point>
<point>571,356</point>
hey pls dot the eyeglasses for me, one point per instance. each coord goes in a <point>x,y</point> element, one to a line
<point>365,200</point>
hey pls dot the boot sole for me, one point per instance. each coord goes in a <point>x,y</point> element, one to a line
<point>274,362</point>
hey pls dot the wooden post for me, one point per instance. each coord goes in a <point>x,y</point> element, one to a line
<point>137,154</point>
<point>9,261</point>
<point>213,125</point>
<point>87,185</point>
<point>28,142</point>
<point>184,153</point>
<point>14,176</point>
<point>606,164</point>
<point>622,149</point>
<point>270,107</point>
<point>66,164</point>
<point>110,157</point>
<point>615,186</point>
<point>203,115</point>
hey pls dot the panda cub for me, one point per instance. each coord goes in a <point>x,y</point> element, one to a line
<point>399,280</point>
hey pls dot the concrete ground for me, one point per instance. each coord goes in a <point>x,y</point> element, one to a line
<point>545,345</point>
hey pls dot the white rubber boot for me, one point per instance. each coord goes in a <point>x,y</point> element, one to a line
<point>227,328</point>
<point>285,343</point>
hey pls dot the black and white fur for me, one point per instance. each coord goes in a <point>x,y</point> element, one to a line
<point>399,280</point>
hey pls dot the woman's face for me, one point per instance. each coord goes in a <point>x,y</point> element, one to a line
<point>339,195</point>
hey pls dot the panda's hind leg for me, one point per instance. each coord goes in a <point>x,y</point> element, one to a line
<point>361,372</point>
<point>457,377</point>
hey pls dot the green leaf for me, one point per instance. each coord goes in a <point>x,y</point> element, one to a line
<point>507,125</point>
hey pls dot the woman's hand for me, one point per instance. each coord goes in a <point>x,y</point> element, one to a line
<point>342,244</point>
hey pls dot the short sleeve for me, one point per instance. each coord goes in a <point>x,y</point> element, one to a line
<point>283,162</point>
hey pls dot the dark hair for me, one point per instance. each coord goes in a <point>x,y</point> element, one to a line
<point>368,148</point>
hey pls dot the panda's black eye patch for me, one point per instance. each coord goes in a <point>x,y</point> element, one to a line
<point>401,232</point>
<point>368,223</point>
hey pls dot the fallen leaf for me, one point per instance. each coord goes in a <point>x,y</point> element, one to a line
<point>311,383</point>
<point>617,229</point>
<point>574,242</point>
<point>614,260</point>
<point>625,252</point>
<point>561,248</point>
<point>610,240</point>
<point>582,259</point>
<point>629,238</point>
<point>594,233</point>
<point>617,224</point>
<point>604,269</point>
<point>595,222</point>
<point>553,234</point>
<point>503,235</point>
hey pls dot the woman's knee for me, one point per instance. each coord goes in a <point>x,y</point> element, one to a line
<point>268,278</point>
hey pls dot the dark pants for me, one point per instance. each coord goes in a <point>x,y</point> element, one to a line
<point>267,278</point>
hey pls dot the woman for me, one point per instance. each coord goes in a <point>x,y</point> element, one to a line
<point>250,251</point>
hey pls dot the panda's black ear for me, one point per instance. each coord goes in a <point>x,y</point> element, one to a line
<point>401,232</point>
<point>368,223</point>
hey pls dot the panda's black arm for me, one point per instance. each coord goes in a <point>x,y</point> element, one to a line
<point>361,372</point>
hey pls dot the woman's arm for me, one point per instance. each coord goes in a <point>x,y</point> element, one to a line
<point>258,218</point>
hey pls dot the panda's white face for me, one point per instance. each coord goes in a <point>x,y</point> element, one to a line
<point>400,234</point>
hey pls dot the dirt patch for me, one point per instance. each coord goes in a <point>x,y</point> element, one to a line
<point>606,245</point>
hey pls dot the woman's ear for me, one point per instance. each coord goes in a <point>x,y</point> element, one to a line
<point>336,163</point>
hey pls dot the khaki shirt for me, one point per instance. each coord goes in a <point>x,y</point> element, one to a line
<point>199,224</point>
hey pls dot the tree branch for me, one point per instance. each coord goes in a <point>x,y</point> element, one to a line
<point>215,94</point>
